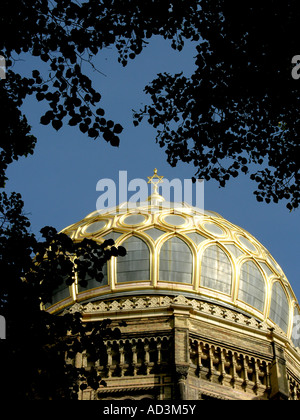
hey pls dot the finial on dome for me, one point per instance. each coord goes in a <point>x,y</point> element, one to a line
<point>155,180</point>
<point>155,183</point>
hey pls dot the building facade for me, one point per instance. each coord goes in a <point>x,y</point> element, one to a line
<point>209,313</point>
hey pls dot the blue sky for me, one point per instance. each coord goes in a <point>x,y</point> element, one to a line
<point>58,183</point>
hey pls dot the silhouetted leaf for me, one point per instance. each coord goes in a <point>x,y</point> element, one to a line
<point>57,124</point>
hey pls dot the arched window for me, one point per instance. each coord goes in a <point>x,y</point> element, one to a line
<point>216,271</point>
<point>252,286</point>
<point>279,311</point>
<point>135,265</point>
<point>176,261</point>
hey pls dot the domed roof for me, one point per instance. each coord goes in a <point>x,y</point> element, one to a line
<point>179,249</point>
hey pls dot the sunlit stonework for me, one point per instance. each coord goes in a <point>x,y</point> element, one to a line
<point>209,312</point>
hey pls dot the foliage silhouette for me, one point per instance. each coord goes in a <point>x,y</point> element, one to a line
<point>236,114</point>
<point>40,348</point>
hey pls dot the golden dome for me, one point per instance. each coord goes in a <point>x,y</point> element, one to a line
<point>181,250</point>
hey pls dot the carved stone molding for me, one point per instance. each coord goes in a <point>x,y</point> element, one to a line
<point>181,372</point>
<point>148,302</point>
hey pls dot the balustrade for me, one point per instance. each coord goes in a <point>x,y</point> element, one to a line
<point>131,357</point>
<point>216,363</point>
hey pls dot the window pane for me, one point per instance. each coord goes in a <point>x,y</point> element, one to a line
<point>266,269</point>
<point>112,235</point>
<point>92,283</point>
<point>175,220</point>
<point>62,292</point>
<point>134,219</point>
<point>252,286</point>
<point>216,272</point>
<point>176,262</point>
<point>196,237</point>
<point>96,226</point>
<point>136,263</point>
<point>247,243</point>
<point>279,312</point>
<point>214,229</point>
<point>234,250</point>
<point>154,233</point>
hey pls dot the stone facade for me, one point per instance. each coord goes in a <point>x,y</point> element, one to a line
<point>187,349</point>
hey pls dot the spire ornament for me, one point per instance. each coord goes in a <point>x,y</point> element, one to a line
<point>155,183</point>
<point>155,179</point>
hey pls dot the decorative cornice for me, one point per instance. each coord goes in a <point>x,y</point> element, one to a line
<point>153,302</point>
<point>215,396</point>
<point>120,390</point>
<point>212,310</point>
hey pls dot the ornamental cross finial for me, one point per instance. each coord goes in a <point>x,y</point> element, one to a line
<point>155,180</point>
